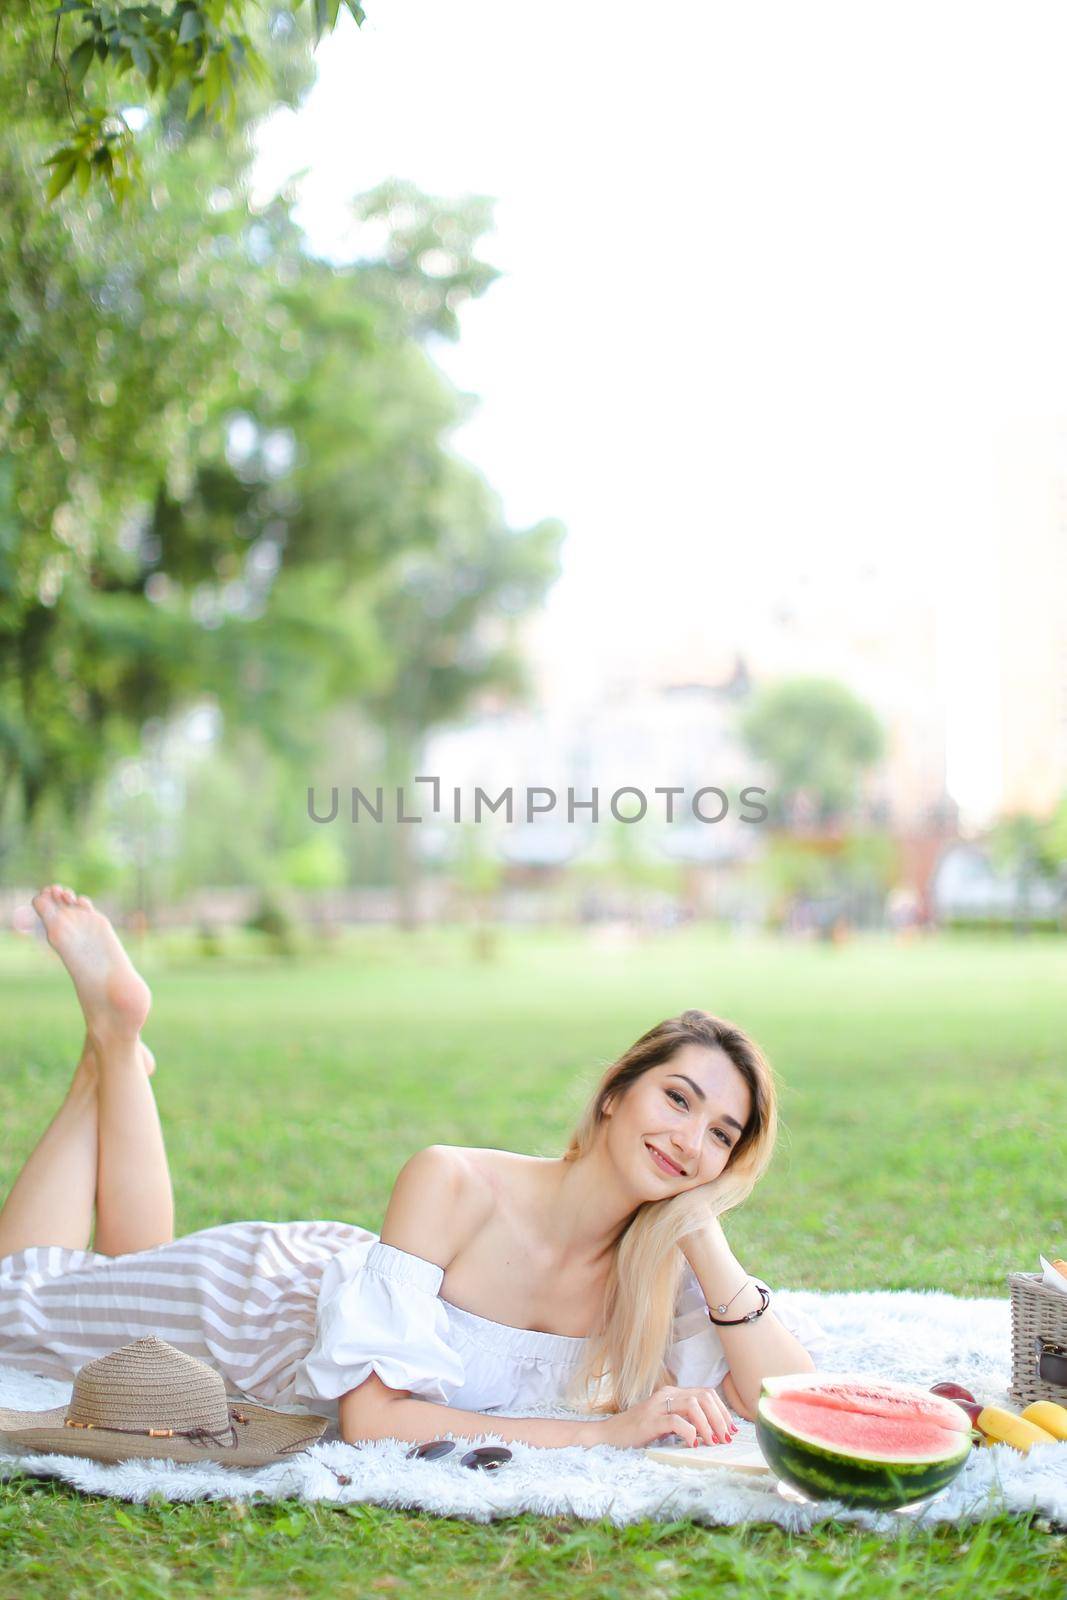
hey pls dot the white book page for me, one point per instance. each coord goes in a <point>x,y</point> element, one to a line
<point>741,1455</point>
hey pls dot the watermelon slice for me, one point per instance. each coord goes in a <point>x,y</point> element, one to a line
<point>875,1396</point>
<point>864,1442</point>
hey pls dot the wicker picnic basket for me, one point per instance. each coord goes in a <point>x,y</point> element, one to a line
<point>1038,1340</point>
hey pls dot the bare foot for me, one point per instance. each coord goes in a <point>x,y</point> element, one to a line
<point>113,995</point>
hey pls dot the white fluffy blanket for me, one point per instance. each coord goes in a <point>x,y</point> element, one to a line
<point>914,1336</point>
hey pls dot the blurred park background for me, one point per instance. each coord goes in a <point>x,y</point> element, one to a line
<point>353,428</point>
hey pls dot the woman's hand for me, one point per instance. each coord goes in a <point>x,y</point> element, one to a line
<point>697,1416</point>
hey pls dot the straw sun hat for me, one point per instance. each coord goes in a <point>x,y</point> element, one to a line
<point>148,1398</point>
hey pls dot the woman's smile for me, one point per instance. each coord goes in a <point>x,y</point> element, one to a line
<point>663,1162</point>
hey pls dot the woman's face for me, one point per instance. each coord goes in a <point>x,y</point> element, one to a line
<point>691,1109</point>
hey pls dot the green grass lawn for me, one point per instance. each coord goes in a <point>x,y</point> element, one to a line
<point>922,1147</point>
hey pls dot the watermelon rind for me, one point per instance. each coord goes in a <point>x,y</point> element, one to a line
<point>824,1473</point>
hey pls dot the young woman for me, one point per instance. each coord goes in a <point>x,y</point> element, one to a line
<point>601,1280</point>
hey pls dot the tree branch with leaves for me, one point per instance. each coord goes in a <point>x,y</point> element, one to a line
<point>192,59</point>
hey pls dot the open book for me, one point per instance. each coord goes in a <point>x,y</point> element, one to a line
<point>740,1455</point>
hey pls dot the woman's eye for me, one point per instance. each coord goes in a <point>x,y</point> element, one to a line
<point>676,1097</point>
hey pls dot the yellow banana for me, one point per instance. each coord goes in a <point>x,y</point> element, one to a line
<point>1048,1415</point>
<point>1004,1427</point>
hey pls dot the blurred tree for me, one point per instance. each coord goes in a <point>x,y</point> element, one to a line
<point>117,344</point>
<point>228,823</point>
<point>1033,847</point>
<point>817,738</point>
<point>449,618</point>
<point>479,872</point>
<point>209,443</point>
<point>1034,851</point>
<point>834,881</point>
<point>867,864</point>
<point>326,470</point>
<point>214,448</point>
<point>790,871</point>
<point>426,267</point>
<point>1056,837</point>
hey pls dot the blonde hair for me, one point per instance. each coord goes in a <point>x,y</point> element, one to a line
<point>625,1360</point>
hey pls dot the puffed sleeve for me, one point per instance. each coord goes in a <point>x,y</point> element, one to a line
<point>696,1355</point>
<point>384,1317</point>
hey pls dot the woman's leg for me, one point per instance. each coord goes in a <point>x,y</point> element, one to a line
<point>51,1201</point>
<point>134,1195</point>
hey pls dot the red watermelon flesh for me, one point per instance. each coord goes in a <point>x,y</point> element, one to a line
<point>906,1403</point>
<point>859,1433</point>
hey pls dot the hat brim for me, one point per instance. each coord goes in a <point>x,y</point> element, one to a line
<point>268,1436</point>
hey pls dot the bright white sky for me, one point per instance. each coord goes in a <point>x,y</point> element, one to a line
<point>779,279</point>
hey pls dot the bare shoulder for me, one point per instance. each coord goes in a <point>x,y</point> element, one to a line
<point>436,1204</point>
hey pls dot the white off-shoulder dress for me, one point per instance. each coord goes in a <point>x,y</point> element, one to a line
<point>294,1314</point>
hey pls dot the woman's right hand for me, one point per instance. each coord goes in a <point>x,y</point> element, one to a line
<point>697,1416</point>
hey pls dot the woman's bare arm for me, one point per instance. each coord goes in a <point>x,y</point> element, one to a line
<point>374,1411</point>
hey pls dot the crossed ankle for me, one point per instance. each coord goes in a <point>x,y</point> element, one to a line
<point>114,1038</point>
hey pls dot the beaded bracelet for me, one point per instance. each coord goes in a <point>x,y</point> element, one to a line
<point>730,1322</point>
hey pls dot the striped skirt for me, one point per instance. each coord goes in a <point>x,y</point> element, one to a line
<point>241,1296</point>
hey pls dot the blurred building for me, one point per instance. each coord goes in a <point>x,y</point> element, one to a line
<point>626,735</point>
<point>865,626</point>
<point>966,887</point>
<point>1031,528</point>
<point>670,719</point>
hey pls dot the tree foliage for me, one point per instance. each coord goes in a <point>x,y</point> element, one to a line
<point>191,61</point>
<point>817,737</point>
<point>216,449</point>
<point>1031,846</point>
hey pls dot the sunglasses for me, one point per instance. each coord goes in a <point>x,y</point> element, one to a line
<point>488,1457</point>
